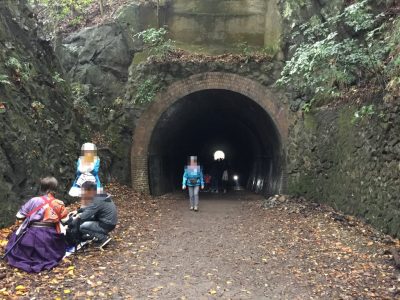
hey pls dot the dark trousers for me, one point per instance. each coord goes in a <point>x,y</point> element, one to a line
<point>225,185</point>
<point>94,229</point>
<point>214,183</point>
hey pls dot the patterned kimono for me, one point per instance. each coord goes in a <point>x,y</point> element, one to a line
<point>39,247</point>
<point>86,173</point>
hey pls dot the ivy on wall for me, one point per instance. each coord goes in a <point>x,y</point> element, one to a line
<point>350,49</point>
<point>147,90</point>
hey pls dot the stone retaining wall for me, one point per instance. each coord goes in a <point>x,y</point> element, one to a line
<point>354,167</point>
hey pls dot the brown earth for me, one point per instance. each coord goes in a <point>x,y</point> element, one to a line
<point>230,249</point>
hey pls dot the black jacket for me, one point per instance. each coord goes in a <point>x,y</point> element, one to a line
<point>102,209</point>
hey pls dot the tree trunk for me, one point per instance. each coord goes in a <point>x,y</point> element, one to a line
<point>102,7</point>
<point>74,11</point>
<point>158,13</point>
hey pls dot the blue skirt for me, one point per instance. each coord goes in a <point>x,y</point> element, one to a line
<point>41,248</point>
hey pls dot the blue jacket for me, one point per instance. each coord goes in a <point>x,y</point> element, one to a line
<point>94,172</point>
<point>193,177</point>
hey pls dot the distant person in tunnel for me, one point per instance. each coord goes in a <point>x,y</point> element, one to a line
<point>214,179</point>
<point>207,181</point>
<point>216,175</point>
<point>193,179</point>
<point>225,180</point>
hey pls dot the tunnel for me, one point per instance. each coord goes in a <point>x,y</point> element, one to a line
<point>206,121</point>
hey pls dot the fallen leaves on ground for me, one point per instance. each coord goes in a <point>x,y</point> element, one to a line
<point>342,257</point>
<point>335,256</point>
<point>77,276</point>
<point>182,56</point>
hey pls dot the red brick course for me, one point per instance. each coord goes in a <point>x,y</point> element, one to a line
<point>212,80</point>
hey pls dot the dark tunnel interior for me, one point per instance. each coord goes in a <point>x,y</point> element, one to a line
<point>203,122</point>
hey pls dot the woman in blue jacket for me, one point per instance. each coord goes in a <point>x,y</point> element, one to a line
<point>193,179</point>
<point>87,169</point>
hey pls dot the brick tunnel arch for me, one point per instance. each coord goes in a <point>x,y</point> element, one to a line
<point>238,115</point>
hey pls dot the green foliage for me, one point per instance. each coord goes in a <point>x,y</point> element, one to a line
<point>147,91</point>
<point>38,108</point>
<point>76,21</point>
<point>307,106</point>
<point>14,63</point>
<point>271,50</point>
<point>358,16</point>
<point>247,50</point>
<point>60,9</point>
<point>4,79</point>
<point>337,53</point>
<point>394,63</point>
<point>363,112</point>
<point>20,70</point>
<point>80,103</point>
<point>292,5</point>
<point>118,102</point>
<point>156,41</point>
<point>57,78</point>
<point>54,12</point>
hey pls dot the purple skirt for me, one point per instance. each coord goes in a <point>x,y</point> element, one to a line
<point>41,248</point>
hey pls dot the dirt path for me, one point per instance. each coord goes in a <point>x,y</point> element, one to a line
<point>231,249</point>
<point>216,252</point>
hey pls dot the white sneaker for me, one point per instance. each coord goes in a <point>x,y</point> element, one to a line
<point>196,208</point>
<point>191,208</point>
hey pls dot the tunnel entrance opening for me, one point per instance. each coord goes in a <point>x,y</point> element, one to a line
<point>219,155</point>
<point>203,122</point>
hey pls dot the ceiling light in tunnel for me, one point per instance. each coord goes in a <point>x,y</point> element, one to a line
<point>219,155</point>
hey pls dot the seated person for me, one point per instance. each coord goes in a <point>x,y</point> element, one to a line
<point>38,244</point>
<point>98,218</point>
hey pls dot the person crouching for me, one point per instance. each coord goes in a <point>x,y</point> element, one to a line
<point>98,218</point>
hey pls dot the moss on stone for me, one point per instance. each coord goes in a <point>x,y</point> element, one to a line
<point>309,122</point>
<point>352,168</point>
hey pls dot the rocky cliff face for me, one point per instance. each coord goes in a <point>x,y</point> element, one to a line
<point>98,56</point>
<point>39,134</point>
<point>96,62</point>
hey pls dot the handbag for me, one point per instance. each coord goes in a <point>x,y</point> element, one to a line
<point>193,180</point>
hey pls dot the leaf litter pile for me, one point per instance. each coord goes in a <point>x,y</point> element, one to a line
<point>331,255</point>
<point>341,256</point>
